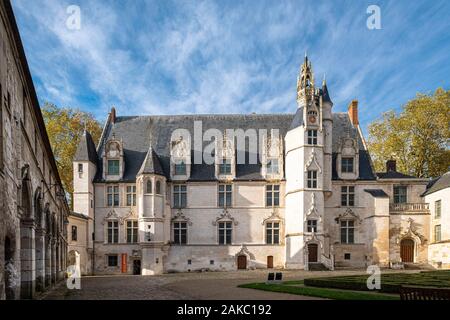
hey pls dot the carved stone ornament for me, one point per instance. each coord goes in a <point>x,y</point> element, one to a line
<point>411,233</point>
<point>273,217</point>
<point>112,215</point>
<point>313,159</point>
<point>113,149</point>
<point>179,148</point>
<point>273,145</point>
<point>179,216</point>
<point>245,252</point>
<point>348,215</point>
<point>225,216</point>
<point>313,212</point>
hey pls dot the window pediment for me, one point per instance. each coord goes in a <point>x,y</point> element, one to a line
<point>349,214</point>
<point>312,162</point>
<point>225,216</point>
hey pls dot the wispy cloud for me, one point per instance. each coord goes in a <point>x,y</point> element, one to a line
<point>163,57</point>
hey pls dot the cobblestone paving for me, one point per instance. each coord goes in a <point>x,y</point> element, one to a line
<point>207,285</point>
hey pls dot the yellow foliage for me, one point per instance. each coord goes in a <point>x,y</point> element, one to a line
<point>65,127</point>
<point>417,137</point>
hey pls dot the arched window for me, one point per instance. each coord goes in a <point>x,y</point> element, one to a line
<point>158,187</point>
<point>149,187</point>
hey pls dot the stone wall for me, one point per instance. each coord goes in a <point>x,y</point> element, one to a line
<point>33,244</point>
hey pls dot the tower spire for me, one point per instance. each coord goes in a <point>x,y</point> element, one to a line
<point>305,82</point>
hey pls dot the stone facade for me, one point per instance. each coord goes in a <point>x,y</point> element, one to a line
<point>33,209</point>
<point>155,209</point>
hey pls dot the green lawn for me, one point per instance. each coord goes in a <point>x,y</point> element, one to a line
<point>355,287</point>
<point>297,287</point>
<point>390,282</point>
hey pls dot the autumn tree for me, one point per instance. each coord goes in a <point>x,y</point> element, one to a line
<point>65,126</point>
<point>417,137</point>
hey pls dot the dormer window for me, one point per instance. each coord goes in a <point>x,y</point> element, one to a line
<point>272,166</point>
<point>180,158</point>
<point>80,168</point>
<point>113,163</point>
<point>225,166</point>
<point>347,165</point>
<point>180,168</point>
<point>113,167</point>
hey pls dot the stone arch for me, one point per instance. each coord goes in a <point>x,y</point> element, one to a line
<point>27,228</point>
<point>47,245</point>
<point>39,241</point>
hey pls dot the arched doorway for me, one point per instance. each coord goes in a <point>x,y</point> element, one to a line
<point>407,250</point>
<point>39,241</point>
<point>312,252</point>
<point>242,262</point>
<point>27,275</point>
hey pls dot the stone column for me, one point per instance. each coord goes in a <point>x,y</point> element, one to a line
<point>40,259</point>
<point>47,260</point>
<point>27,259</point>
<point>53,257</point>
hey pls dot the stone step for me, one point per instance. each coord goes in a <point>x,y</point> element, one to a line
<point>317,267</point>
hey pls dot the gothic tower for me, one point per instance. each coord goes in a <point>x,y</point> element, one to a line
<point>308,172</point>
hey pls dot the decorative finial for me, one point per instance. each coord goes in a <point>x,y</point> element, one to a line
<point>324,81</point>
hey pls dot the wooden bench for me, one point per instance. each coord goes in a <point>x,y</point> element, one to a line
<point>424,293</point>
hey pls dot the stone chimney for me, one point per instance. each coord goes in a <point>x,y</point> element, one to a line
<point>391,165</point>
<point>353,112</point>
<point>113,115</point>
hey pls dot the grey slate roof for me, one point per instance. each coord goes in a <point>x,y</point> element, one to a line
<point>86,149</point>
<point>151,164</point>
<point>325,94</point>
<point>438,184</point>
<point>342,127</point>
<point>136,132</point>
<point>298,119</point>
<point>377,193</point>
<point>394,175</point>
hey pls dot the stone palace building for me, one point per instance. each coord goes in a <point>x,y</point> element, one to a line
<point>33,207</point>
<point>312,200</point>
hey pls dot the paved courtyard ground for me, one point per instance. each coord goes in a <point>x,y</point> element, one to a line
<point>188,286</point>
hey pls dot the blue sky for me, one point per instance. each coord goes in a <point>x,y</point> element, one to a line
<point>178,57</point>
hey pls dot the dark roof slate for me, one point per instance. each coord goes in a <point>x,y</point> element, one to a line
<point>151,164</point>
<point>438,184</point>
<point>394,175</point>
<point>298,119</point>
<point>136,132</point>
<point>377,193</point>
<point>342,127</point>
<point>86,149</point>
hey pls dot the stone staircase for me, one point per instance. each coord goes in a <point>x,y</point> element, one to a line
<point>317,267</point>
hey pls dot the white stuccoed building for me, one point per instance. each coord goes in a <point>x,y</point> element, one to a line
<point>438,196</point>
<point>311,201</point>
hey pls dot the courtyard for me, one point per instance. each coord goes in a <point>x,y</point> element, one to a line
<point>190,286</point>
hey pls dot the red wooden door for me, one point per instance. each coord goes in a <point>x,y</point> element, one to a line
<point>407,250</point>
<point>124,263</point>
<point>242,262</point>
<point>269,262</point>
